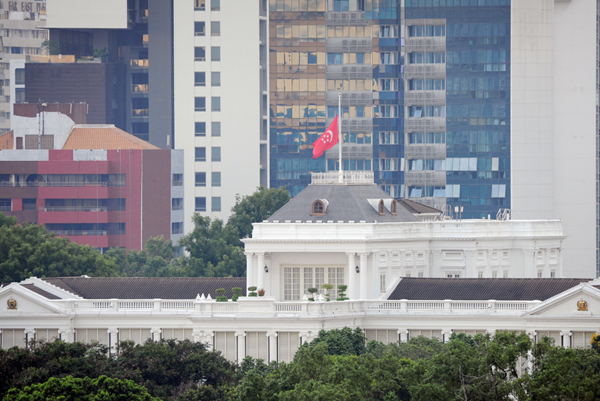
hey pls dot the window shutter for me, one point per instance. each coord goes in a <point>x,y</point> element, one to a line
<point>230,346</point>
<point>283,347</point>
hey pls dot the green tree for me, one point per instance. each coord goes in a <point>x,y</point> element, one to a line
<point>213,250</point>
<point>77,389</point>
<point>29,250</point>
<point>255,208</point>
<point>341,341</point>
<point>52,46</point>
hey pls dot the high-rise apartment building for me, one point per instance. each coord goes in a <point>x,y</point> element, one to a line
<point>22,34</point>
<point>484,105</point>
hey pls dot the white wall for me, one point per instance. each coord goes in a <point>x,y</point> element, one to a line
<point>575,132</point>
<point>240,107</point>
<point>553,161</point>
<point>86,14</point>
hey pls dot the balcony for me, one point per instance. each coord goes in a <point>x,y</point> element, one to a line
<point>419,70</point>
<point>421,178</point>
<point>425,124</point>
<point>139,87</point>
<point>422,44</point>
<point>73,233</point>
<point>347,177</point>
<point>140,63</point>
<point>139,112</point>
<point>422,151</point>
<point>431,98</point>
<point>73,209</point>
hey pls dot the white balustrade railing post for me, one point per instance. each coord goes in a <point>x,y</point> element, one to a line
<point>404,305</point>
<point>157,303</point>
<point>447,304</point>
<point>114,303</point>
<point>492,303</point>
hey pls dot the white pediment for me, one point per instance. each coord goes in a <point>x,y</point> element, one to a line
<point>27,302</point>
<point>566,303</point>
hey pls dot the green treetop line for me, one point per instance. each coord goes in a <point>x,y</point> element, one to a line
<point>337,365</point>
<point>214,248</point>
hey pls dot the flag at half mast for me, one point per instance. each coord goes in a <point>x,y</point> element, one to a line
<point>327,140</point>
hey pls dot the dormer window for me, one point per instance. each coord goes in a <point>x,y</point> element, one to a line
<point>318,208</point>
<point>381,208</point>
<point>393,208</point>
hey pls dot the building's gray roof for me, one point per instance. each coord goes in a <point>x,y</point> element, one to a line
<point>416,207</point>
<point>345,203</point>
<point>146,287</point>
<point>40,291</point>
<point>475,289</point>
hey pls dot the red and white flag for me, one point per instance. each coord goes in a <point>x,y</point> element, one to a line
<point>327,139</point>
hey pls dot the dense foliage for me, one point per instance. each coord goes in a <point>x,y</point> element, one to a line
<point>338,365</point>
<point>212,249</point>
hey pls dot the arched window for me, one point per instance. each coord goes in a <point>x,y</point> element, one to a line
<point>318,208</point>
<point>381,207</point>
<point>393,208</point>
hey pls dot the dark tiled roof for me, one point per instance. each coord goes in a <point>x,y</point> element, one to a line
<point>345,203</point>
<point>416,207</point>
<point>38,290</point>
<point>502,289</point>
<point>147,287</point>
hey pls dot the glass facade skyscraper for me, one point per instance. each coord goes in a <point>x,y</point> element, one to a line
<point>425,91</point>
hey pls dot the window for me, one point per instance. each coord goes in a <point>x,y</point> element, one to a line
<point>386,111</point>
<point>388,31</point>
<point>388,57</point>
<point>494,274</point>
<point>29,204</point>
<point>200,179</point>
<point>177,180</point>
<point>200,204</point>
<point>318,208</point>
<point>200,104</point>
<point>394,208</point>
<point>200,79</point>
<point>216,103</point>
<point>216,154</point>
<point>215,128</point>
<point>199,5</point>
<point>427,30</point>
<point>20,76</point>
<point>297,281</point>
<point>505,275</point>
<point>553,274</point>
<point>215,28</point>
<point>388,138</point>
<point>539,274</point>
<point>200,129</point>
<point>381,208</point>
<point>215,79</point>
<point>215,5</point>
<point>215,53</point>
<point>388,84</point>
<point>216,204</point>
<point>480,275</point>
<point>200,53</point>
<point>382,283</point>
<point>388,164</point>
<point>216,179</point>
<point>19,95</point>
<point>341,5</point>
<point>177,228</point>
<point>200,154</point>
<point>177,204</point>
<point>200,28</point>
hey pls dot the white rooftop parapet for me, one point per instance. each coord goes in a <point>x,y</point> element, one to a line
<point>348,177</point>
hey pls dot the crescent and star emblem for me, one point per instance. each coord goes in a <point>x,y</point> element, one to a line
<point>328,136</point>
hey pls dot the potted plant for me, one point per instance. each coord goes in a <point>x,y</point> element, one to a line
<point>221,295</point>
<point>261,292</point>
<point>312,293</point>
<point>237,292</point>
<point>327,287</point>
<point>252,292</point>
<point>342,293</point>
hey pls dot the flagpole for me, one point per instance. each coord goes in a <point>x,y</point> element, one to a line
<point>340,136</point>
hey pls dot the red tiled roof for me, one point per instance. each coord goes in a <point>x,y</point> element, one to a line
<point>103,137</point>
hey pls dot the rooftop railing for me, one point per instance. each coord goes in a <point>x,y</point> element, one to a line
<point>347,177</point>
<point>268,306</point>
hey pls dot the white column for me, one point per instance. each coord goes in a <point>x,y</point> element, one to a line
<point>250,273</point>
<point>113,337</point>
<point>364,277</point>
<point>446,333</point>
<point>566,338</point>
<point>29,336</point>
<point>470,263</point>
<point>532,335</point>
<point>66,335</point>
<point>260,268</point>
<point>351,292</point>
<point>272,336</point>
<point>403,335</point>
<point>155,332</point>
<point>241,345</point>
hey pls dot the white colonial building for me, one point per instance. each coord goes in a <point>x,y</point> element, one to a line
<point>505,276</point>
